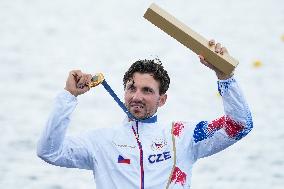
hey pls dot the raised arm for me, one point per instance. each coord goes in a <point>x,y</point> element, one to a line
<point>214,136</point>
<point>54,147</point>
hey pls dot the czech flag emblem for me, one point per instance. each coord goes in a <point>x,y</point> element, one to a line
<point>121,159</point>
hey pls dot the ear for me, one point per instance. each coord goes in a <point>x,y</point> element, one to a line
<point>162,100</point>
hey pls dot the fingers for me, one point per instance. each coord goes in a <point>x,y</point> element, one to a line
<point>84,81</point>
<point>77,74</point>
<point>89,79</point>
<point>211,42</point>
<point>81,82</point>
<point>202,59</point>
<point>218,47</point>
<point>204,62</point>
<point>82,90</point>
<point>212,67</point>
<point>223,50</point>
<point>77,82</point>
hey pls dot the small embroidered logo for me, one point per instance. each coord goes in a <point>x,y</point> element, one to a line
<point>158,144</point>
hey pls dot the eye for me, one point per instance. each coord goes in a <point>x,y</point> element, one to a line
<point>148,90</point>
<point>131,88</point>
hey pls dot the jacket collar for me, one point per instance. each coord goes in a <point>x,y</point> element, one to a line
<point>152,119</point>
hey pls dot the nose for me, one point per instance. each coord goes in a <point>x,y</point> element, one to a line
<point>137,96</point>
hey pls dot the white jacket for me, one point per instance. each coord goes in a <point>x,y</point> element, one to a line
<point>162,156</point>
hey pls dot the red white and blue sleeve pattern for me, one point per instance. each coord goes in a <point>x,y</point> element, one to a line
<point>214,136</point>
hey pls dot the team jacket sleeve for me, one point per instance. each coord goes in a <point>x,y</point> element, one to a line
<point>56,148</point>
<point>212,137</point>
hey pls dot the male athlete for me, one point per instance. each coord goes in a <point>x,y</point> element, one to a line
<point>141,152</point>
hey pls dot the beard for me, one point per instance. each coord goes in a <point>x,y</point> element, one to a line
<point>140,110</point>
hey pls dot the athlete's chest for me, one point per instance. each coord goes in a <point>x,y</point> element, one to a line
<point>152,149</point>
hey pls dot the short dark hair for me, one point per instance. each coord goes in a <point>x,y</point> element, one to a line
<point>154,67</point>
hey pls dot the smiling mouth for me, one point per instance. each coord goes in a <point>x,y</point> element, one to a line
<point>136,107</point>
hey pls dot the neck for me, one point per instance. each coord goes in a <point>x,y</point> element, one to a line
<point>151,119</point>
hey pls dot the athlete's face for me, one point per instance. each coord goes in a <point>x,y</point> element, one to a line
<point>142,96</point>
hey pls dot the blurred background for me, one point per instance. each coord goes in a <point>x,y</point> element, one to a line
<point>41,41</point>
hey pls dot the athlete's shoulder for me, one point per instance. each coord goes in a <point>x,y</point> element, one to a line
<point>105,130</point>
<point>182,128</point>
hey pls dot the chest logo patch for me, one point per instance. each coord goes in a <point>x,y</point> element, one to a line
<point>158,144</point>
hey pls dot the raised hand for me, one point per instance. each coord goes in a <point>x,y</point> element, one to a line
<point>222,51</point>
<point>77,82</point>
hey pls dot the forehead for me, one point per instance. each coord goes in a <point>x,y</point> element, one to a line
<point>144,80</point>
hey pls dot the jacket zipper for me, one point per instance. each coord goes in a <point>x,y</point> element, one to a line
<point>136,134</point>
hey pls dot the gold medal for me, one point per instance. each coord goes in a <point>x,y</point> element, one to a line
<point>96,80</point>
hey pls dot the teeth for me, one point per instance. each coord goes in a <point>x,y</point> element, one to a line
<point>138,107</point>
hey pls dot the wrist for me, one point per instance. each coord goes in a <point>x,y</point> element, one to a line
<point>224,77</point>
<point>72,92</point>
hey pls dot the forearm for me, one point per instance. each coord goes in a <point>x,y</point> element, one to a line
<point>237,119</point>
<point>214,136</point>
<point>54,133</point>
